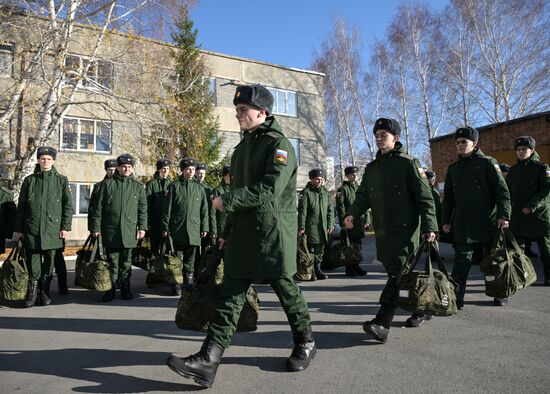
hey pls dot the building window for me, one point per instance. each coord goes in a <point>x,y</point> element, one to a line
<point>6,59</point>
<point>284,102</point>
<point>81,193</point>
<point>86,135</point>
<point>296,145</point>
<point>99,73</point>
<point>212,89</point>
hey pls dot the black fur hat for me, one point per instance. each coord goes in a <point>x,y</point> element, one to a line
<point>202,166</point>
<point>316,172</point>
<point>46,150</point>
<point>525,140</point>
<point>430,174</point>
<point>351,170</point>
<point>109,163</point>
<point>125,159</point>
<point>254,95</point>
<point>467,132</point>
<point>390,125</point>
<point>161,163</point>
<point>226,170</point>
<point>187,162</point>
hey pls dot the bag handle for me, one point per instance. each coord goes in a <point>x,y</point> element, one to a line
<point>510,236</point>
<point>96,245</point>
<point>413,259</point>
<point>303,240</point>
<point>439,260</point>
<point>16,251</point>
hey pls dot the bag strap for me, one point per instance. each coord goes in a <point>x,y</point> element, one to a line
<point>510,236</point>
<point>439,260</point>
<point>347,239</point>
<point>89,242</point>
<point>97,245</point>
<point>15,251</point>
<point>303,241</point>
<point>413,259</point>
<point>171,243</point>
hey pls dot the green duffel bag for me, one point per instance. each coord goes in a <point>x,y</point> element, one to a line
<point>195,307</point>
<point>340,254</point>
<point>142,255</point>
<point>427,292</point>
<point>14,276</point>
<point>91,269</point>
<point>167,268</point>
<point>507,269</point>
<point>304,261</point>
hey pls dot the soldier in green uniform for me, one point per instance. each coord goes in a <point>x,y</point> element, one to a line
<point>110,168</point>
<point>394,186</point>
<point>200,176</point>
<point>120,217</point>
<point>185,218</point>
<point>7,217</point>
<point>316,218</point>
<point>261,236</point>
<point>529,184</point>
<point>155,190</point>
<point>476,204</point>
<point>222,188</point>
<point>345,196</point>
<point>432,178</point>
<point>44,216</point>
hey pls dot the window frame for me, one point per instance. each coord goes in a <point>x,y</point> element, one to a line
<point>10,52</point>
<point>79,133</point>
<point>94,83</point>
<point>276,92</point>
<point>76,193</point>
<point>296,149</point>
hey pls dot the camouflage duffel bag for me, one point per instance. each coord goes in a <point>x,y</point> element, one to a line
<point>142,255</point>
<point>340,254</point>
<point>427,292</point>
<point>14,276</point>
<point>248,321</point>
<point>91,269</point>
<point>166,269</point>
<point>507,270</point>
<point>304,261</point>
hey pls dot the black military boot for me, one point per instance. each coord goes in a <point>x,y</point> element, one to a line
<point>189,279</point>
<point>350,271</point>
<point>303,352</point>
<point>44,291</point>
<point>379,327</point>
<point>32,294</point>
<point>176,290</point>
<point>318,273</point>
<point>358,270</point>
<point>460,291</point>
<point>202,366</point>
<point>110,294</point>
<point>500,301</point>
<point>125,291</point>
<point>416,320</point>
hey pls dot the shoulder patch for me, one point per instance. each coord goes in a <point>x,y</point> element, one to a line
<point>281,156</point>
<point>422,172</point>
<point>497,167</point>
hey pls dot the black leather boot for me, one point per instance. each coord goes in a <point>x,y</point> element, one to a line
<point>358,270</point>
<point>303,352</point>
<point>318,273</point>
<point>350,271</point>
<point>460,291</point>
<point>416,320</point>
<point>32,293</point>
<point>110,294</point>
<point>379,327</point>
<point>44,291</point>
<point>176,290</point>
<point>125,291</point>
<point>202,366</point>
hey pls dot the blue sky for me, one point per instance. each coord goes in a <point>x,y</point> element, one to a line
<point>287,32</point>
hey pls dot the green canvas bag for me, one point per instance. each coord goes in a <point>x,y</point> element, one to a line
<point>167,268</point>
<point>91,268</point>
<point>430,291</point>
<point>507,269</point>
<point>304,261</point>
<point>142,255</point>
<point>340,254</point>
<point>14,276</point>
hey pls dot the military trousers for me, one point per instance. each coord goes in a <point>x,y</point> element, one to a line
<point>232,298</point>
<point>464,254</point>
<point>40,263</point>
<point>155,238</point>
<point>544,248</point>
<point>120,262</point>
<point>187,255</point>
<point>317,251</point>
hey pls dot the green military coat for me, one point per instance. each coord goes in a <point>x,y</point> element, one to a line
<point>155,190</point>
<point>185,212</point>
<point>345,197</point>
<point>529,184</point>
<point>45,208</point>
<point>475,196</point>
<point>120,211</point>
<point>394,186</point>
<point>95,193</point>
<point>219,217</point>
<point>315,214</point>
<point>211,214</point>
<point>7,217</point>
<point>438,206</point>
<point>261,234</point>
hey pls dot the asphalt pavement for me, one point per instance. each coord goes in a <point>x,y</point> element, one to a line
<point>79,344</point>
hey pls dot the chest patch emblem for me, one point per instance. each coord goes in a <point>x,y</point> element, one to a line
<point>281,156</point>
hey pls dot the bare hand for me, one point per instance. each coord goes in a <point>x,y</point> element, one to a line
<point>96,234</point>
<point>301,232</point>
<point>203,234</point>
<point>446,228</point>
<point>17,236</point>
<point>140,234</point>
<point>221,243</point>
<point>429,237</point>
<point>348,222</point>
<point>164,234</point>
<point>503,223</point>
<point>63,234</point>
<point>368,227</point>
<point>329,231</point>
<point>527,211</point>
<point>217,203</point>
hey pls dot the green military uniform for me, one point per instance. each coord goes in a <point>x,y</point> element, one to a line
<point>120,211</point>
<point>155,190</point>
<point>7,216</point>
<point>315,216</point>
<point>211,217</point>
<point>219,217</point>
<point>475,197</point>
<point>394,186</point>
<point>529,184</point>
<point>185,216</point>
<point>438,205</point>
<point>45,209</point>
<point>345,197</point>
<point>262,228</point>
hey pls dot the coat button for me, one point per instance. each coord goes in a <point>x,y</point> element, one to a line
<point>257,227</point>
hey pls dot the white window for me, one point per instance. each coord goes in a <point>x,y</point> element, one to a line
<point>284,102</point>
<point>6,59</point>
<point>296,145</point>
<point>212,88</point>
<point>98,73</point>
<point>81,193</point>
<point>90,135</point>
